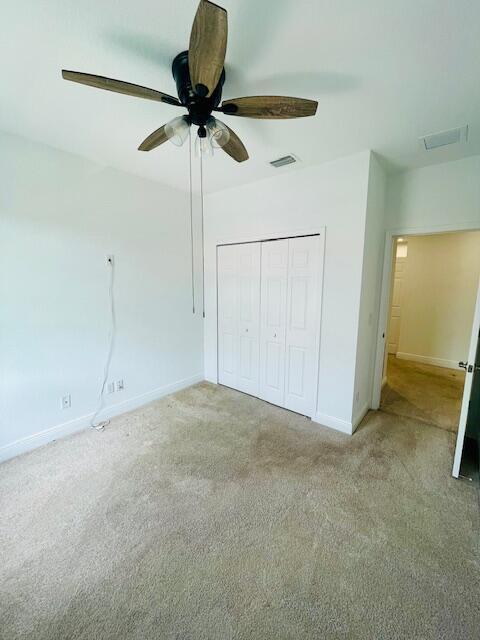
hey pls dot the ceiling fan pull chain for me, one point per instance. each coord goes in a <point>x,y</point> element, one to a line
<point>203,233</point>
<point>191,218</point>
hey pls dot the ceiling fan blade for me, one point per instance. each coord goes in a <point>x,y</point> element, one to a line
<point>154,140</point>
<point>270,107</point>
<point>100,82</point>
<point>235,147</point>
<point>208,45</point>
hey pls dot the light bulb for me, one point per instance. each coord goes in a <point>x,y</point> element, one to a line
<point>217,132</point>
<point>203,146</point>
<point>177,130</point>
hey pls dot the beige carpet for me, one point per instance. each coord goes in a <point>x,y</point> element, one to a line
<point>212,515</point>
<point>424,392</point>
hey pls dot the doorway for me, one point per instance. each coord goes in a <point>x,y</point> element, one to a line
<point>432,300</point>
<point>461,311</point>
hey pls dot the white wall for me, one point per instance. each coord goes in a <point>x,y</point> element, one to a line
<point>439,293</point>
<point>445,196</point>
<point>60,216</point>
<point>371,284</point>
<point>331,195</point>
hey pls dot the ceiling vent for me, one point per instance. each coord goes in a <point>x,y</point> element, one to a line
<point>281,162</point>
<point>444,138</point>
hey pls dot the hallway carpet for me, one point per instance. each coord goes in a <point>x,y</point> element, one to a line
<point>424,392</point>
<point>210,515</point>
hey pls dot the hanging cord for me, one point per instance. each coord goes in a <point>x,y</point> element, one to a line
<point>191,216</point>
<point>203,233</point>
<point>106,370</point>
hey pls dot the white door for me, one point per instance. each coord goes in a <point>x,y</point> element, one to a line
<point>467,390</point>
<point>301,340</point>
<point>248,312</point>
<point>238,316</point>
<point>396,308</point>
<point>268,320</point>
<point>273,320</point>
<point>227,315</point>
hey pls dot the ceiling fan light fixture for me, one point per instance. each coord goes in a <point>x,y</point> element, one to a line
<point>177,130</point>
<point>203,143</point>
<point>217,132</point>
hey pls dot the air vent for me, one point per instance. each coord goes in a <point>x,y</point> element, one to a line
<point>444,138</point>
<point>281,162</point>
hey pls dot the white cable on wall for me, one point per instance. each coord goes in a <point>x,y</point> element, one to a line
<point>111,343</point>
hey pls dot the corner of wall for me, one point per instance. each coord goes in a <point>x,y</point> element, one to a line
<point>374,246</point>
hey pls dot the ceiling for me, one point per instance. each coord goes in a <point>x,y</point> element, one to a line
<point>384,72</point>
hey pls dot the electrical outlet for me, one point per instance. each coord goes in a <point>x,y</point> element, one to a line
<point>66,401</point>
<point>120,385</point>
<point>110,260</point>
<point>111,387</point>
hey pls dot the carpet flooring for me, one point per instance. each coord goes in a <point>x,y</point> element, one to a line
<point>424,392</point>
<point>212,515</point>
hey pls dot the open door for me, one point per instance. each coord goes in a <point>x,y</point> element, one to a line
<point>471,392</point>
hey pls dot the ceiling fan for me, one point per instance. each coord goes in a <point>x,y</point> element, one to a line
<point>199,76</point>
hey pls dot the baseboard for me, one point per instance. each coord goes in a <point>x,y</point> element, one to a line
<point>360,416</point>
<point>438,362</point>
<point>384,381</point>
<point>333,423</point>
<point>29,443</point>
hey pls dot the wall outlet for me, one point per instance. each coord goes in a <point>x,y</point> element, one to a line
<point>120,385</point>
<point>66,401</point>
<point>111,387</point>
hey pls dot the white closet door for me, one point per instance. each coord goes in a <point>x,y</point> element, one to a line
<point>248,314</point>
<point>238,316</point>
<point>302,324</point>
<point>227,315</point>
<point>272,321</point>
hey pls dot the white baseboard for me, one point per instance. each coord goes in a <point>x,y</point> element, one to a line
<point>78,424</point>
<point>333,423</point>
<point>438,362</point>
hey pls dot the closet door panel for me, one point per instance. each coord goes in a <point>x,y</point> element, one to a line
<point>274,266</point>
<point>248,316</point>
<point>302,324</point>
<point>227,315</point>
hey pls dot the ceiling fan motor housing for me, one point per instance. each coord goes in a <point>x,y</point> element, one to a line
<point>199,108</point>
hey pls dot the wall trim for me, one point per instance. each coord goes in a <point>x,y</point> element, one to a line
<point>438,362</point>
<point>382,325</point>
<point>36,440</point>
<point>333,423</point>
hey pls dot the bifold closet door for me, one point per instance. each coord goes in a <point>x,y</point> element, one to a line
<point>289,322</point>
<point>238,316</point>
<point>273,314</point>
<point>302,324</point>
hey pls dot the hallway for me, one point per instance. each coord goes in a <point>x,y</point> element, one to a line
<point>424,392</point>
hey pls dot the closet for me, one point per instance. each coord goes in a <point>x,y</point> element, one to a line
<point>268,320</point>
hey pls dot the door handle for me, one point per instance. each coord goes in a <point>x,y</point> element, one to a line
<point>463,365</point>
<point>468,367</point>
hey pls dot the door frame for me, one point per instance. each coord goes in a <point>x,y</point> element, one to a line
<point>281,235</point>
<point>467,390</point>
<point>385,293</point>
